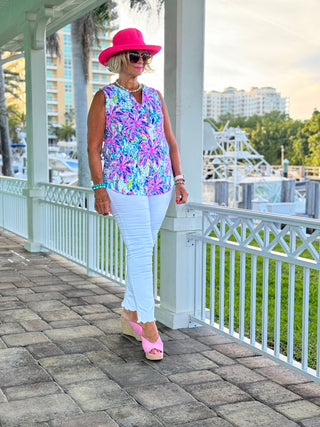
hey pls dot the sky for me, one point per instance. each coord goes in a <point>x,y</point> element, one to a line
<point>250,43</point>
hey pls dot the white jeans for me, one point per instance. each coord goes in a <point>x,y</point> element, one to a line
<point>139,219</point>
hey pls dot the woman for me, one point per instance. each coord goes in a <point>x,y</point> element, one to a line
<point>141,168</point>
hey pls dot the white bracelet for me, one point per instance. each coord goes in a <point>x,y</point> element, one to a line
<point>178,177</point>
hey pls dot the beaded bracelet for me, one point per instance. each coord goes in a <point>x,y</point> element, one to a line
<point>96,186</point>
<point>179,181</point>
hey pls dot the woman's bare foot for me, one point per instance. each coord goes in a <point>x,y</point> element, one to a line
<point>132,316</point>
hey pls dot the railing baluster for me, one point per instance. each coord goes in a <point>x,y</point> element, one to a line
<point>242,294</point>
<point>111,265</point>
<point>107,241</point>
<point>231,291</point>
<point>203,281</point>
<point>305,318</point>
<point>265,294</point>
<point>212,283</point>
<point>291,314</point>
<point>277,309</point>
<point>197,280</point>
<point>221,288</point>
<point>253,300</point>
<point>116,275</point>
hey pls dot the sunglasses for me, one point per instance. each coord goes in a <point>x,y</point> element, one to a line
<point>134,57</point>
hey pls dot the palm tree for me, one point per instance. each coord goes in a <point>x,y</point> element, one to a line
<point>83,31</point>
<point>4,128</point>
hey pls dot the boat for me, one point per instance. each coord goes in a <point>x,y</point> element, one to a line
<point>229,157</point>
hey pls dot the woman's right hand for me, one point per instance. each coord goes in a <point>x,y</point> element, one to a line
<point>102,201</point>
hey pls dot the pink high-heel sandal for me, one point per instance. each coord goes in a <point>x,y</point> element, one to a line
<point>131,328</point>
<point>148,346</point>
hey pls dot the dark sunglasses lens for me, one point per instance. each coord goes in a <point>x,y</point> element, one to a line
<point>134,57</point>
<point>146,57</point>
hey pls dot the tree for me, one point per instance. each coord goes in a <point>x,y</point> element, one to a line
<point>311,133</point>
<point>83,31</point>
<point>12,82</point>
<point>4,128</point>
<point>65,132</point>
<point>16,119</point>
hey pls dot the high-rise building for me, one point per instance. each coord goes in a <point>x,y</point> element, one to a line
<point>240,103</point>
<point>59,76</point>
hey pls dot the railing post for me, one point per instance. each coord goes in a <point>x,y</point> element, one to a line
<point>36,109</point>
<point>183,95</point>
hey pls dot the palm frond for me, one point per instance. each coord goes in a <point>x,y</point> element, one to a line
<point>140,5</point>
<point>53,45</point>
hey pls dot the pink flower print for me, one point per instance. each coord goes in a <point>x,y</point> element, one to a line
<point>167,167</point>
<point>113,116</point>
<point>148,97</point>
<point>134,123</point>
<point>113,144</point>
<point>155,185</point>
<point>121,167</point>
<point>149,150</point>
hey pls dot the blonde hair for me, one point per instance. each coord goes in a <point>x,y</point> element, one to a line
<point>121,60</point>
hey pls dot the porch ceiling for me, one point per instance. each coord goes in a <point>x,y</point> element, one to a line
<point>13,17</point>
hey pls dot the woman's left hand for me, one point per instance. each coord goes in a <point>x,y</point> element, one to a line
<point>181,194</point>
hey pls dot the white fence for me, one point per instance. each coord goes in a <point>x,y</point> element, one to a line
<point>257,279</point>
<point>70,227</point>
<point>13,206</point>
<point>256,275</point>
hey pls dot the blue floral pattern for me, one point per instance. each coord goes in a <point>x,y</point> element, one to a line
<point>136,153</point>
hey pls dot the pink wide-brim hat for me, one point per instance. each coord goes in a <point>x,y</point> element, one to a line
<point>128,39</point>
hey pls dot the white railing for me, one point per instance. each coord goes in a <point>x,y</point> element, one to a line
<point>257,279</point>
<point>13,206</point>
<point>256,275</point>
<point>70,227</point>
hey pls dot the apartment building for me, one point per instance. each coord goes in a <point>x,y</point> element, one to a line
<point>240,103</point>
<point>59,76</point>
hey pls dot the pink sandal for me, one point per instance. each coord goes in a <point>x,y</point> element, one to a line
<point>131,328</point>
<point>149,346</point>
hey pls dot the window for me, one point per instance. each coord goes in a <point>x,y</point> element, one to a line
<point>67,68</point>
<point>67,45</point>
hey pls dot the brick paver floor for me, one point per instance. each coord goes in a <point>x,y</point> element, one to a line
<point>64,361</point>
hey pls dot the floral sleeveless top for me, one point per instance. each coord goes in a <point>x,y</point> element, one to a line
<point>136,153</point>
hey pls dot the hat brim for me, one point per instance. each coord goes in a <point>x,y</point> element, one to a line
<point>106,54</point>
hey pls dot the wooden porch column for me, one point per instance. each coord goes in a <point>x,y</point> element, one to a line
<point>184,48</point>
<point>36,106</point>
